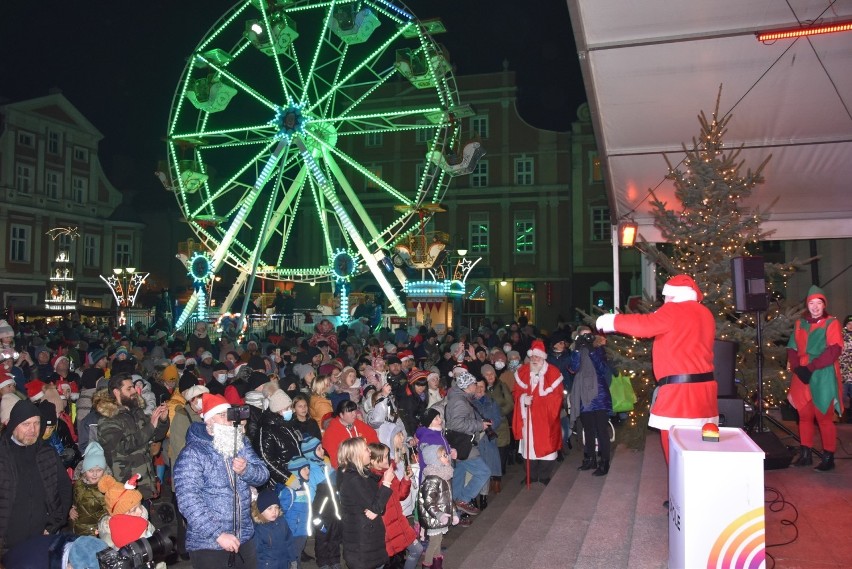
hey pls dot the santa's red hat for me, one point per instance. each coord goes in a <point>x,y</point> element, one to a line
<point>405,355</point>
<point>682,288</point>
<point>35,390</point>
<point>213,405</point>
<point>178,358</point>
<point>57,359</point>
<point>537,349</point>
<point>6,378</point>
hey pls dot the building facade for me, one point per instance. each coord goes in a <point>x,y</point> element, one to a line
<point>57,210</point>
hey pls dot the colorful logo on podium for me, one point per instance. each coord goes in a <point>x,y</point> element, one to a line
<point>742,544</point>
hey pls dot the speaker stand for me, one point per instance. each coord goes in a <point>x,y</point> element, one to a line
<point>755,424</point>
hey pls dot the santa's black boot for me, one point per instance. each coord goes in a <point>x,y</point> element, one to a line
<point>805,457</point>
<point>827,462</point>
<point>589,462</point>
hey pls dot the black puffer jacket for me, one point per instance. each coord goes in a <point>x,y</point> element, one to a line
<point>363,538</point>
<point>276,444</point>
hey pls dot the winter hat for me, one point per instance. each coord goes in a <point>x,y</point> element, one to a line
<point>6,403</point>
<point>96,355</point>
<point>816,292</point>
<point>309,444</point>
<point>537,349</point>
<point>266,499</point>
<point>6,378</point>
<point>464,378</point>
<point>6,329</point>
<point>257,379</point>
<point>428,416</point>
<point>416,375</point>
<point>429,454</point>
<point>84,552</point>
<point>220,367</point>
<point>191,362</point>
<point>35,389</point>
<point>682,288</point>
<point>40,350</point>
<point>213,405</point>
<point>279,401</point>
<point>405,355</point>
<point>486,367</point>
<point>170,373</point>
<point>122,351</point>
<point>297,463</point>
<point>206,355</point>
<point>302,370</point>
<point>178,358</point>
<point>21,411</point>
<point>48,413</point>
<point>194,392</point>
<point>124,529</point>
<point>187,380</point>
<point>256,363</point>
<point>120,498</point>
<point>94,456</point>
<point>327,369</point>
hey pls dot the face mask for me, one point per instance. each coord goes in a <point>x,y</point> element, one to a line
<point>287,415</point>
<point>507,348</point>
<point>499,365</point>
<point>221,378</point>
<point>514,364</point>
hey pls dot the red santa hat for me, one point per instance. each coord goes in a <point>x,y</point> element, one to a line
<point>178,358</point>
<point>35,390</point>
<point>6,378</point>
<point>682,289</point>
<point>405,355</point>
<point>57,359</point>
<point>213,405</point>
<point>537,349</point>
<point>68,388</point>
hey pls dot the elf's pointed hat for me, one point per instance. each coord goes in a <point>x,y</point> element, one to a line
<point>816,292</point>
<point>682,288</point>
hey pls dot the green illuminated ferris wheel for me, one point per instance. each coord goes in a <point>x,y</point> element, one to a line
<point>271,124</point>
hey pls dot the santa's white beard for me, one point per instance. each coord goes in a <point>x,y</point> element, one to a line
<point>223,439</point>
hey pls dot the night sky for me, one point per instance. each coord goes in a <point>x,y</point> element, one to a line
<point>119,63</point>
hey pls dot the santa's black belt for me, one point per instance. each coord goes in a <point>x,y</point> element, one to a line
<point>686,378</point>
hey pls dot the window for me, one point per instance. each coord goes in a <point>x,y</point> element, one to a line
<point>374,139</point>
<point>92,250</point>
<point>26,139</point>
<point>523,171</point>
<point>81,154</point>
<point>80,186</point>
<point>24,178</point>
<point>479,126</point>
<point>524,232</point>
<point>376,170</point>
<point>19,243</point>
<point>122,253</point>
<point>600,225</point>
<point>595,171</point>
<point>479,177</point>
<point>65,243</point>
<point>54,142</point>
<point>53,184</point>
<point>423,132</point>
<point>478,232</point>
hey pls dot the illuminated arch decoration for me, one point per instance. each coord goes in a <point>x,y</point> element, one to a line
<point>263,101</point>
<point>227,319</point>
<point>200,269</point>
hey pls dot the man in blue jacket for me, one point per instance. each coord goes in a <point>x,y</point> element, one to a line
<point>207,475</point>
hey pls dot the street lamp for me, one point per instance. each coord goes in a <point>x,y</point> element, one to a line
<point>125,283</point>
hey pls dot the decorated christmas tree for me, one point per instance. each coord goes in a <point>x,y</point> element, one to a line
<point>704,230</point>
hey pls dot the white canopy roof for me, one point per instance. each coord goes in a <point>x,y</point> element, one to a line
<point>650,66</point>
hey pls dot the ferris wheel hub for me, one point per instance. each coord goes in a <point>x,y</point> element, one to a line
<point>293,120</point>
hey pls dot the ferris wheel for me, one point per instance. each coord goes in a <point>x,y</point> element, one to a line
<point>269,131</point>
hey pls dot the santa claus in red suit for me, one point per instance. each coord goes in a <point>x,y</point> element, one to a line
<point>683,330</point>
<point>538,401</point>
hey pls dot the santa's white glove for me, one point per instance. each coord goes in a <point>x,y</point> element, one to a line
<point>606,323</point>
<point>526,399</point>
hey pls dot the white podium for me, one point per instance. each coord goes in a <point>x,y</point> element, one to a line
<point>716,515</point>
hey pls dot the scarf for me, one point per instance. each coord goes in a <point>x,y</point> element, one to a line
<point>442,471</point>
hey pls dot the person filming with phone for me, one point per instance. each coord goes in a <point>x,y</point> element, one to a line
<point>125,432</point>
<point>214,474</point>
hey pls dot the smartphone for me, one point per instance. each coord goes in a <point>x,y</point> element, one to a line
<point>162,398</point>
<point>278,352</point>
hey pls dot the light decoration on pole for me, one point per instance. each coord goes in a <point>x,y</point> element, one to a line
<point>627,232</point>
<point>200,268</point>
<point>343,268</point>
<point>125,283</point>
<point>793,33</point>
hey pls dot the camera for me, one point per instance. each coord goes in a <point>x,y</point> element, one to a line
<point>586,339</point>
<point>142,553</point>
<point>238,414</point>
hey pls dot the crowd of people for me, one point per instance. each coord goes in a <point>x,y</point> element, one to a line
<point>373,444</point>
